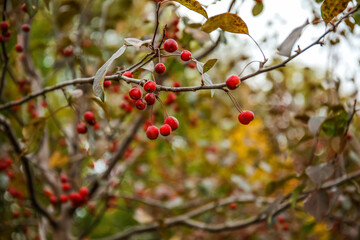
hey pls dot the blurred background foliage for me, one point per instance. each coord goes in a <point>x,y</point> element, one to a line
<point>211,155</point>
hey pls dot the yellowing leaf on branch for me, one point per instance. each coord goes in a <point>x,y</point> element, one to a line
<point>193,5</point>
<point>58,160</point>
<point>332,8</point>
<point>229,22</point>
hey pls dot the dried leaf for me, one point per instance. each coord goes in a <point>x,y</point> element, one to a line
<point>137,43</point>
<point>317,204</point>
<point>33,133</point>
<point>209,64</point>
<point>319,173</point>
<point>332,8</point>
<point>315,123</point>
<point>149,67</point>
<point>58,160</point>
<point>257,9</point>
<point>229,22</point>
<point>193,5</point>
<point>288,44</point>
<point>98,86</point>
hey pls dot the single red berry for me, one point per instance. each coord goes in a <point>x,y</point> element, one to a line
<point>19,48</point>
<point>84,191</point>
<point>150,98</point>
<point>173,122</point>
<point>23,7</point>
<point>165,129</point>
<point>152,132</point>
<point>107,83</point>
<point>281,219</point>
<point>170,45</point>
<point>1,38</point>
<point>175,21</point>
<point>27,213</point>
<point>81,128</point>
<point>90,118</point>
<point>97,126</point>
<point>4,26</point>
<point>63,178</point>
<point>150,86</point>
<point>176,84</point>
<point>171,97</point>
<point>16,214</point>
<point>25,27</point>
<point>233,82</point>
<point>68,51</point>
<point>233,206</point>
<point>245,117</point>
<point>128,74</point>
<point>160,68</point>
<point>135,93</point>
<point>65,187</point>
<point>192,65</point>
<point>185,55</point>
<point>140,104</point>
<point>285,227</point>
<point>53,199</point>
<point>63,198</point>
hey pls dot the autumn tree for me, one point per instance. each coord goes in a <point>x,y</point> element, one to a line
<point>129,120</point>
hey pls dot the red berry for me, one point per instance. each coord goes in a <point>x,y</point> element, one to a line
<point>84,191</point>
<point>175,21</point>
<point>171,97</point>
<point>233,82</point>
<point>53,199</point>
<point>170,45</point>
<point>1,38</point>
<point>27,213</point>
<point>150,98</point>
<point>65,187</point>
<point>281,219</point>
<point>185,55</point>
<point>63,178</point>
<point>97,126</point>
<point>150,86</point>
<point>160,68</point>
<point>128,74</point>
<point>25,27</point>
<point>192,65</point>
<point>16,214</point>
<point>285,227</point>
<point>173,122</point>
<point>245,117</point>
<point>176,84</point>
<point>140,104</point>
<point>90,118</point>
<point>23,7</point>
<point>135,93</point>
<point>68,51</point>
<point>4,26</point>
<point>63,198</point>
<point>19,48</point>
<point>165,129</point>
<point>107,83</point>
<point>233,206</point>
<point>81,128</point>
<point>152,132</point>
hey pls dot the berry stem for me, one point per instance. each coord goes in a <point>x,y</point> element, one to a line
<point>163,106</point>
<point>234,101</point>
<point>248,65</point>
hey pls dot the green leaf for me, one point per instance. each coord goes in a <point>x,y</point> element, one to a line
<point>356,17</point>
<point>98,86</point>
<point>193,5</point>
<point>33,133</point>
<point>336,123</point>
<point>32,7</point>
<point>257,9</point>
<point>209,64</point>
<point>295,194</point>
<point>332,8</point>
<point>229,22</point>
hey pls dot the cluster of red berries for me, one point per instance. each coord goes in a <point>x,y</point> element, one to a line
<point>5,33</point>
<point>282,222</point>
<point>172,29</point>
<point>15,193</point>
<point>76,198</point>
<point>170,124</point>
<point>149,99</point>
<point>5,165</point>
<point>90,119</point>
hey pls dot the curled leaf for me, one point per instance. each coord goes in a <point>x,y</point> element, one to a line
<point>193,5</point>
<point>332,8</point>
<point>229,22</point>
<point>317,204</point>
<point>98,87</point>
<point>288,44</point>
<point>137,43</point>
<point>209,64</point>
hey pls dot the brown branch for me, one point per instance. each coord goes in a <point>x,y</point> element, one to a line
<point>185,219</point>
<point>156,25</point>
<point>28,174</point>
<point>5,54</point>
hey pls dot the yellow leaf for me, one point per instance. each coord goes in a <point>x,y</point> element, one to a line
<point>229,22</point>
<point>193,5</point>
<point>332,8</point>
<point>58,160</point>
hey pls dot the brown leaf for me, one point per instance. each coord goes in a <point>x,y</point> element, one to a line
<point>317,204</point>
<point>319,173</point>
<point>332,8</point>
<point>229,22</point>
<point>193,5</point>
